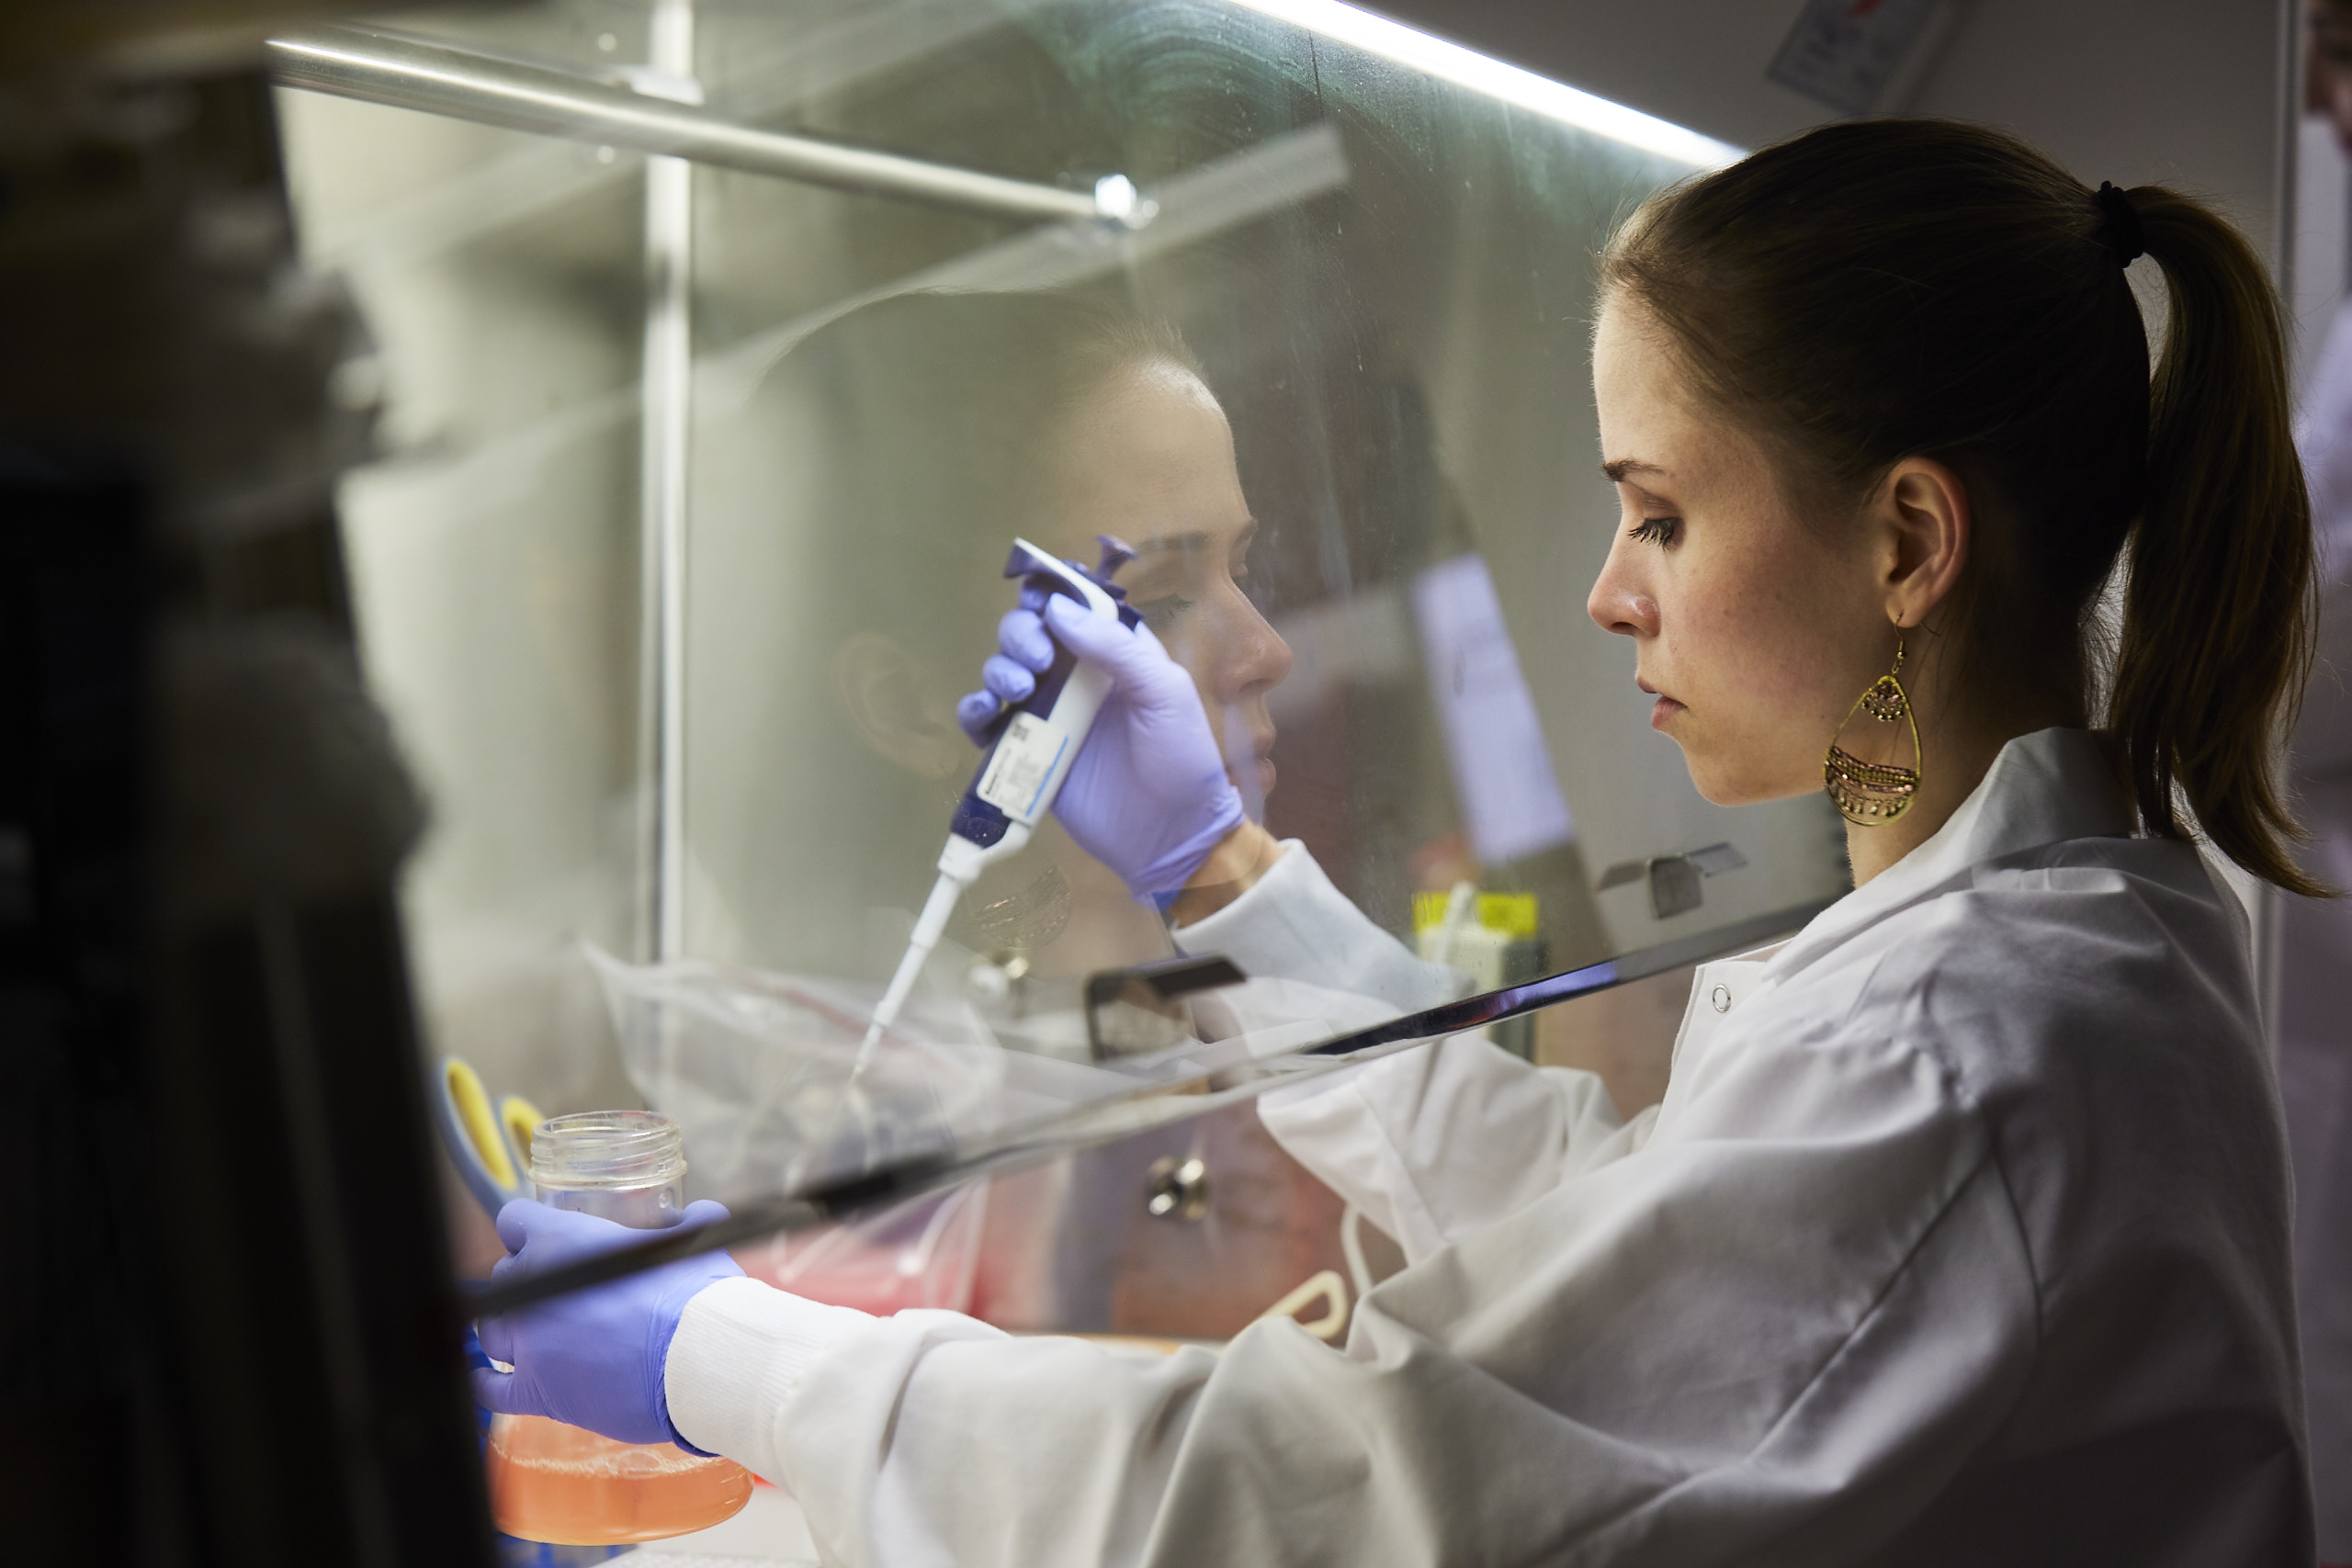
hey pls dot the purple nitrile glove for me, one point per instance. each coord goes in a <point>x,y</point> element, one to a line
<point>1148,796</point>
<point>594,1357</point>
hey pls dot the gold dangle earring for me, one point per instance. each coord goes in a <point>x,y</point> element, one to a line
<point>1874,794</point>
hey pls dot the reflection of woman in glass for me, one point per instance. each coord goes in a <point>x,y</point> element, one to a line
<point>949,426</point>
<point>926,434</point>
<point>1962,1234</point>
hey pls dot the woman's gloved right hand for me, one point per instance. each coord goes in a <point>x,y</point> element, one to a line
<point>1148,796</point>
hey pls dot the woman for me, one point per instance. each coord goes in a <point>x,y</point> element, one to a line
<point>1961,1234</point>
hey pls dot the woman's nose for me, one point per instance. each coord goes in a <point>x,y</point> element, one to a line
<point>1617,603</point>
<point>1247,655</point>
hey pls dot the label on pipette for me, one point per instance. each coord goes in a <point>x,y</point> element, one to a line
<point>1026,755</point>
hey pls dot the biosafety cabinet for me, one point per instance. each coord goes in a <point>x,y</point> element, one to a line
<point>707,359</point>
<point>722,352</point>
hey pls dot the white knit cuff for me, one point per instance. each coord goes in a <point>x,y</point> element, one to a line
<point>736,1361</point>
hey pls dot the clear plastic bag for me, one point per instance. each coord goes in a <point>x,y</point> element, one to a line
<point>761,1068</point>
<point>925,1253</point>
<point>757,1068</point>
<point>760,1071</point>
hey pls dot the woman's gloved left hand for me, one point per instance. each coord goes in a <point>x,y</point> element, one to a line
<point>594,1357</point>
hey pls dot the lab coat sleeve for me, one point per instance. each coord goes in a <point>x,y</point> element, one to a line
<point>1429,1144</point>
<point>1293,925</point>
<point>739,1352</point>
<point>1434,1142</point>
<point>1768,1338</point>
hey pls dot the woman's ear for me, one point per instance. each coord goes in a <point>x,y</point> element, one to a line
<point>1924,509</point>
<point>878,684</point>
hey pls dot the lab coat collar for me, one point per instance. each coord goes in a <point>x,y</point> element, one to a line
<point>2043,788</point>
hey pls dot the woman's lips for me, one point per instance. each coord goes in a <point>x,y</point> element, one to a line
<point>1662,711</point>
<point>1264,767</point>
<point>1261,761</point>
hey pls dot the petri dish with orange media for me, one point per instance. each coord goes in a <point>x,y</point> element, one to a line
<point>555,1483</point>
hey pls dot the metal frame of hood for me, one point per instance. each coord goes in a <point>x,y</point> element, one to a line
<point>661,117</point>
<point>384,67</point>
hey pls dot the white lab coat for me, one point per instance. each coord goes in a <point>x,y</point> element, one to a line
<point>1960,1235</point>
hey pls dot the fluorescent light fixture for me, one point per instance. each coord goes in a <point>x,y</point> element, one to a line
<point>1452,63</point>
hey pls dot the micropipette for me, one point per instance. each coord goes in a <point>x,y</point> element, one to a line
<point>1036,741</point>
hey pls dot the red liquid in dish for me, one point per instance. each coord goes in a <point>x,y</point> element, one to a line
<point>553,1483</point>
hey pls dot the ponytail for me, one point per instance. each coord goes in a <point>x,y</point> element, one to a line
<point>2218,610</point>
<point>1879,291</point>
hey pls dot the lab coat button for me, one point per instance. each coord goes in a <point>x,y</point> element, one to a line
<point>1721,996</point>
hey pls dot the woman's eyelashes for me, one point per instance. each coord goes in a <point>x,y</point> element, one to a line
<point>1159,608</point>
<point>1158,613</point>
<point>1656,530</point>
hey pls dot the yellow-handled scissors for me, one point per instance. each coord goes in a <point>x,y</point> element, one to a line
<point>490,1142</point>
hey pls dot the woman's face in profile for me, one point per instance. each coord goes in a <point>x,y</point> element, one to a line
<point>1754,631</point>
<point>1149,460</point>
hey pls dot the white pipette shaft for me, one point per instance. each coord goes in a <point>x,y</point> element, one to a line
<point>1050,738</point>
<point>928,927</point>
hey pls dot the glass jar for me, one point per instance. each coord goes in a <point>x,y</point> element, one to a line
<point>629,1166</point>
<point>555,1483</point>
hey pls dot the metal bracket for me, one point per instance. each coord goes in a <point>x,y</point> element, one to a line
<point>1131,1011</point>
<point>1177,1189</point>
<point>1673,879</point>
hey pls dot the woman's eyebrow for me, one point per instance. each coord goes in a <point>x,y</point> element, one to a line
<point>1173,544</point>
<point>1625,466</point>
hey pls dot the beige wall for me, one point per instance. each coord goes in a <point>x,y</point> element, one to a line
<point>2131,91</point>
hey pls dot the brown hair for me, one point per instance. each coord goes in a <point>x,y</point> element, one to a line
<point>936,411</point>
<point>1893,289</point>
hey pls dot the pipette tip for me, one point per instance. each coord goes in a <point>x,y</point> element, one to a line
<point>865,1050</point>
